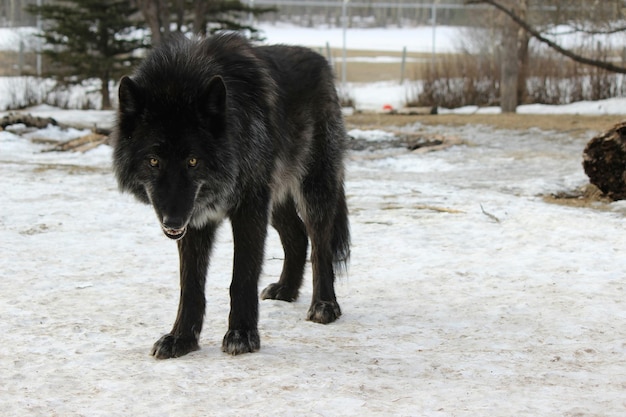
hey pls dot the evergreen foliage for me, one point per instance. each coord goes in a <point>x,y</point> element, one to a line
<point>89,39</point>
<point>200,17</point>
<point>231,15</point>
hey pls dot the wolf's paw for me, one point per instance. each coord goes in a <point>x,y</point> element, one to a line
<point>237,342</point>
<point>324,312</point>
<point>278,291</point>
<point>170,346</point>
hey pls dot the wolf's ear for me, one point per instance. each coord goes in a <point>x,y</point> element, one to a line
<point>130,96</point>
<point>214,100</point>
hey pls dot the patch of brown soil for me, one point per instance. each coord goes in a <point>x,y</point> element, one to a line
<point>588,196</point>
<point>574,124</point>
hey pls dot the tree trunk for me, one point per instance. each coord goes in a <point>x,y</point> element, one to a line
<point>156,14</point>
<point>509,69</point>
<point>164,16</point>
<point>523,40</point>
<point>179,11</point>
<point>199,18</point>
<point>604,161</point>
<point>106,96</point>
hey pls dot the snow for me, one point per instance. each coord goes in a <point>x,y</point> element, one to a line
<point>448,311</point>
<point>372,135</point>
<point>416,39</point>
<point>12,39</point>
<point>373,96</point>
<point>380,59</point>
<point>614,106</point>
<point>571,37</point>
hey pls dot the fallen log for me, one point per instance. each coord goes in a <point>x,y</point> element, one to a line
<point>27,120</point>
<point>604,161</point>
<point>81,144</point>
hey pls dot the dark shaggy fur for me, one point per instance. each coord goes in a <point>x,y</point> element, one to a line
<point>216,129</point>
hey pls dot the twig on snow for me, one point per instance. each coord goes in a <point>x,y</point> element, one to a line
<point>491,216</point>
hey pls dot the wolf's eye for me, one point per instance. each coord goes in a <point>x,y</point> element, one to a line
<point>154,163</point>
<point>192,162</point>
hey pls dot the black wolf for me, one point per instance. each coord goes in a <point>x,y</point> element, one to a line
<point>217,128</point>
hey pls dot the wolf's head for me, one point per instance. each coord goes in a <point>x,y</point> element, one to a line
<point>172,149</point>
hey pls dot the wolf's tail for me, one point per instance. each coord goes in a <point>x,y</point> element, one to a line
<point>341,235</point>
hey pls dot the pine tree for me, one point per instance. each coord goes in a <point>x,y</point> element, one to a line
<point>89,39</point>
<point>214,16</point>
<point>200,17</point>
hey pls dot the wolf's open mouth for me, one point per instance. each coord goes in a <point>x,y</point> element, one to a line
<point>174,233</point>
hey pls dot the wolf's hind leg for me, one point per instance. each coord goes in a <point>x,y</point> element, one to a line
<point>321,212</point>
<point>294,239</point>
<point>324,307</point>
<point>194,250</point>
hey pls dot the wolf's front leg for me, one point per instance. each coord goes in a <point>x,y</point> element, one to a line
<point>194,250</point>
<point>249,230</point>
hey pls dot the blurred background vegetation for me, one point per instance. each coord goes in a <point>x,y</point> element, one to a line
<point>496,61</point>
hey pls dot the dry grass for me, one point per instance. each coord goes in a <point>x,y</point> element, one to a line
<point>376,71</point>
<point>9,63</point>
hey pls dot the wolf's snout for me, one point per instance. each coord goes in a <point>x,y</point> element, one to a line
<point>173,227</point>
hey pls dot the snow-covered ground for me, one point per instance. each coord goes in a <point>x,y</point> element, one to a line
<point>426,39</point>
<point>447,311</point>
<point>14,39</point>
<point>416,39</point>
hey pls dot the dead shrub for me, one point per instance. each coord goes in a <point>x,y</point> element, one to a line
<point>474,79</point>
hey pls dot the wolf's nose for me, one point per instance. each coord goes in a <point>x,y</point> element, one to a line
<point>174,223</point>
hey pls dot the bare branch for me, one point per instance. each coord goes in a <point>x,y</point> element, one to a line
<point>524,25</point>
<point>610,31</point>
<point>581,29</point>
